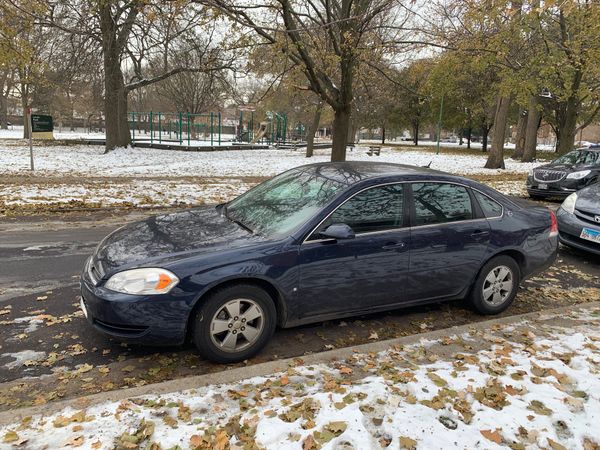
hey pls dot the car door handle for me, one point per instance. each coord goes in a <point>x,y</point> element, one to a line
<point>392,245</point>
<point>480,233</point>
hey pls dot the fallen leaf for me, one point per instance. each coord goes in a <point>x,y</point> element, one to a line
<point>437,380</point>
<point>11,436</point>
<point>493,436</point>
<point>408,443</point>
<point>75,442</point>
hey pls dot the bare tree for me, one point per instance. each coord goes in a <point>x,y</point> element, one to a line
<point>129,34</point>
<point>329,41</point>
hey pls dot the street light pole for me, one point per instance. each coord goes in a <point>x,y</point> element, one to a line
<point>439,125</point>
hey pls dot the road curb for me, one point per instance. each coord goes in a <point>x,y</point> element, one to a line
<point>240,373</point>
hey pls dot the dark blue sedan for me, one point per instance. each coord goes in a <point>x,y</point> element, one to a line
<point>317,242</point>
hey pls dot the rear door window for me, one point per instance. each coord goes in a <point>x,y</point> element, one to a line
<point>441,203</point>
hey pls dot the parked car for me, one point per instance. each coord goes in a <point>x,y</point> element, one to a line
<point>566,174</point>
<point>314,243</point>
<point>579,220</point>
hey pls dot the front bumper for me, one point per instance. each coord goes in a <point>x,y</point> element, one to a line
<point>150,319</point>
<point>557,189</point>
<point>569,230</point>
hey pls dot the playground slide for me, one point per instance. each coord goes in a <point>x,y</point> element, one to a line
<point>261,133</point>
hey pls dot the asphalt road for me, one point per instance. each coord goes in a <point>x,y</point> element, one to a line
<point>43,332</point>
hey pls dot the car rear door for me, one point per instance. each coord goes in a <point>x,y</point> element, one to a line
<point>449,238</point>
<point>362,273</point>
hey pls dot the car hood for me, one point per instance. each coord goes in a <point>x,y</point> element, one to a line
<point>170,236</point>
<point>588,199</point>
<point>566,167</point>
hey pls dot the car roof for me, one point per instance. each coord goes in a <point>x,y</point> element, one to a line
<point>351,172</point>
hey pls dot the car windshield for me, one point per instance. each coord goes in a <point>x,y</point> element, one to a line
<point>578,157</point>
<point>283,203</point>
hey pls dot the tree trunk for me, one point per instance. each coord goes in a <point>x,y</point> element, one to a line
<point>416,133</point>
<point>520,139</point>
<point>341,125</point>
<point>496,156</point>
<point>3,112</point>
<point>568,128</point>
<point>533,123</point>
<point>192,130</point>
<point>312,129</point>
<point>469,133</point>
<point>485,131</point>
<point>5,89</point>
<point>382,135</point>
<point>115,94</point>
<point>115,110</point>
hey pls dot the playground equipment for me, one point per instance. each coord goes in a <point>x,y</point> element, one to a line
<point>182,128</point>
<point>262,131</point>
<point>272,131</point>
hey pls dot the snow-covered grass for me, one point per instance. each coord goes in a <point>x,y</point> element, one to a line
<point>531,385</point>
<point>16,132</point>
<point>166,192</point>
<point>90,160</point>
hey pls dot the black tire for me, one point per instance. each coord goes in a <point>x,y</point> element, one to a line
<point>495,304</point>
<point>214,308</point>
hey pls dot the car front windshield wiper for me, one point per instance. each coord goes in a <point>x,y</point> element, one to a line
<point>237,222</point>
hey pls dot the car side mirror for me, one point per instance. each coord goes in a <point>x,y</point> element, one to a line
<point>338,231</point>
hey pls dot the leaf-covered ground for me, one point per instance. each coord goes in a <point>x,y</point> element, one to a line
<point>530,384</point>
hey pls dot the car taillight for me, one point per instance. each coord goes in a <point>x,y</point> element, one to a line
<point>553,224</point>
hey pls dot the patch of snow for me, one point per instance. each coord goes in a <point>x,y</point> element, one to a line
<point>20,358</point>
<point>32,323</point>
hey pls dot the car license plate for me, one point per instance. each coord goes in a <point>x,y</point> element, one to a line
<point>590,235</point>
<point>83,308</point>
<point>542,186</point>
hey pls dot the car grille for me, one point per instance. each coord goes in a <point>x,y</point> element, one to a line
<point>587,216</point>
<point>93,273</point>
<point>548,176</point>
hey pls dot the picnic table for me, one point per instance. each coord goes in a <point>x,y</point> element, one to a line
<point>374,150</point>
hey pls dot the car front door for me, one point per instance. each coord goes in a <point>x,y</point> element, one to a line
<point>448,240</point>
<point>364,272</point>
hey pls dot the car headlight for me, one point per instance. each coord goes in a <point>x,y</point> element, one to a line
<point>579,175</point>
<point>569,204</point>
<point>530,174</point>
<point>146,281</point>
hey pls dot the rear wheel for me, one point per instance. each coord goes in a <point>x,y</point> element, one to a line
<point>496,285</point>
<point>234,323</point>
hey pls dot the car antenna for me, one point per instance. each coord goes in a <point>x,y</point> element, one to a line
<point>428,165</point>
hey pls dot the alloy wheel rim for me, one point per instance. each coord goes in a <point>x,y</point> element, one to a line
<point>498,285</point>
<point>237,325</point>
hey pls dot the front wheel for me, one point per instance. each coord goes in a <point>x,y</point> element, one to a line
<point>234,323</point>
<point>496,285</point>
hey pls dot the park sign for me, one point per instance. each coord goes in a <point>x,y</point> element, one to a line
<point>42,126</point>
